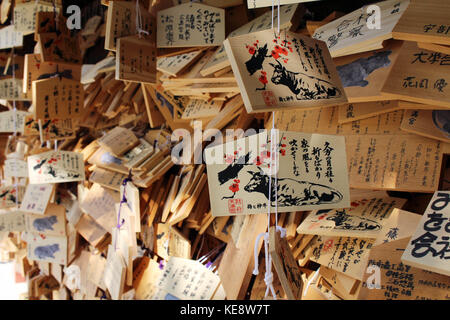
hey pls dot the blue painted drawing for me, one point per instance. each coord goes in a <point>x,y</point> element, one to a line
<point>356,72</point>
<point>44,224</point>
<point>46,252</point>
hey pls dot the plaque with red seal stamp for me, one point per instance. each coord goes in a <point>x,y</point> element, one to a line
<point>235,206</point>
<point>269,98</point>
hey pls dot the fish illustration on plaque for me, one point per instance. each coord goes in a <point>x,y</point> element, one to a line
<point>287,71</point>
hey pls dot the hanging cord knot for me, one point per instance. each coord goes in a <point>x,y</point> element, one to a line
<point>282,231</point>
<point>268,279</point>
<point>268,276</point>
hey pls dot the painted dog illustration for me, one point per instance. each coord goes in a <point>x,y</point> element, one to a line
<point>305,87</point>
<point>291,192</point>
<point>45,252</point>
<point>44,224</point>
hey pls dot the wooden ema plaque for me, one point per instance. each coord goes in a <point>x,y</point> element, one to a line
<point>253,4</point>
<point>351,34</point>
<point>11,89</point>
<point>364,219</point>
<point>59,98</point>
<point>379,162</point>
<point>239,174</point>
<point>285,265</point>
<point>136,59</point>
<point>56,167</point>
<point>174,65</point>
<point>55,41</point>
<point>288,71</point>
<point>10,38</point>
<point>398,280</point>
<point>428,123</point>
<point>425,22</point>
<point>53,223</point>
<point>419,76</point>
<point>364,74</point>
<point>190,25</point>
<point>10,120</point>
<point>51,129</point>
<point>36,199</point>
<point>264,22</point>
<point>11,196</point>
<point>358,111</point>
<point>25,15</point>
<point>47,248</point>
<point>214,3</point>
<point>121,22</point>
<point>118,141</point>
<point>37,69</point>
<point>428,247</point>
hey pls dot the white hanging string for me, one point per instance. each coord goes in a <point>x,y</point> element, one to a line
<point>139,29</point>
<point>278,17</point>
<point>311,281</point>
<point>16,186</point>
<point>268,277</point>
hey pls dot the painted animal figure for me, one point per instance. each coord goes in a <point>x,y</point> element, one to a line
<point>44,224</point>
<point>305,87</point>
<point>356,72</point>
<point>39,165</point>
<point>344,221</point>
<point>256,61</point>
<point>45,252</point>
<point>290,192</point>
<point>232,171</point>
